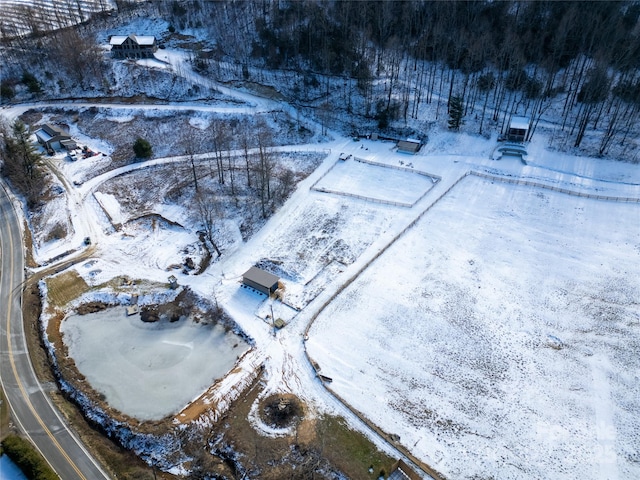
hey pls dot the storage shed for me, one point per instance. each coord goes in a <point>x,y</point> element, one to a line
<point>518,128</point>
<point>262,281</point>
<point>409,145</point>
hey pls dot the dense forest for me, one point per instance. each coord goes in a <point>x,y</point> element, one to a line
<point>384,61</point>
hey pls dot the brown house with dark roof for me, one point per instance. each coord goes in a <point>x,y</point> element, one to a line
<point>53,138</point>
<point>133,46</point>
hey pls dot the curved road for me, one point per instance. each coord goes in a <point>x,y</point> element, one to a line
<point>30,406</point>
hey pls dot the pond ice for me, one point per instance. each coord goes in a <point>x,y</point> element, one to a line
<point>149,370</point>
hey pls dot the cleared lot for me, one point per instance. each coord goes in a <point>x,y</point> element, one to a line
<point>499,336</point>
<point>376,182</point>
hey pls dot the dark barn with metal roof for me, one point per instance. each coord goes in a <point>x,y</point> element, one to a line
<point>262,281</point>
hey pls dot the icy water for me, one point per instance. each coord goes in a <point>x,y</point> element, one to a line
<point>149,370</point>
<point>9,470</point>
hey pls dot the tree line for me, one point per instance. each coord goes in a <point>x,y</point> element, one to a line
<point>497,58</point>
<point>386,61</point>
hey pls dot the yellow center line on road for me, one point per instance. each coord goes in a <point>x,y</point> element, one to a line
<point>15,371</point>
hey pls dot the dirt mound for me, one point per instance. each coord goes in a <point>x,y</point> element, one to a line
<point>91,307</point>
<point>281,411</point>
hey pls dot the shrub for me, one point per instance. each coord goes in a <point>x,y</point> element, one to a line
<point>142,148</point>
<point>6,92</point>
<point>57,232</point>
<point>31,82</point>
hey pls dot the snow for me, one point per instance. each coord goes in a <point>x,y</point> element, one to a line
<point>492,326</point>
<point>111,206</point>
<point>376,182</point>
<point>443,338</point>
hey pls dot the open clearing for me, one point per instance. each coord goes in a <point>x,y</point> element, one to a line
<point>66,287</point>
<point>499,334</point>
<point>378,183</point>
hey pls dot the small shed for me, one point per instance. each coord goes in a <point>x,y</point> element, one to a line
<point>410,145</point>
<point>518,129</point>
<point>69,145</point>
<point>262,281</point>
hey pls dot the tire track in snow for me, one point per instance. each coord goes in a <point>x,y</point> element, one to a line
<point>605,456</point>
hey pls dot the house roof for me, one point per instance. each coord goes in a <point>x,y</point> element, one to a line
<point>43,135</point>
<point>145,40</point>
<point>52,130</point>
<point>520,123</point>
<point>117,39</point>
<point>47,132</point>
<point>68,142</point>
<point>260,277</point>
<point>139,39</point>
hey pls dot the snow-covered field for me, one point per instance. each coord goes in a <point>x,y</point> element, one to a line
<point>355,177</point>
<point>499,335</point>
<point>495,336</point>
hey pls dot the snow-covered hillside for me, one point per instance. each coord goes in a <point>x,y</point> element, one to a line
<point>482,311</point>
<point>19,17</point>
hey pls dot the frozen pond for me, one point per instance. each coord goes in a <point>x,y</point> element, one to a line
<point>149,370</point>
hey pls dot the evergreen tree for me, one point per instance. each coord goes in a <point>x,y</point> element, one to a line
<point>456,112</point>
<point>22,150</point>
<point>21,161</point>
<point>142,148</point>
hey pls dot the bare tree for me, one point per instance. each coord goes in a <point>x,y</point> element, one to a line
<point>244,143</point>
<point>209,215</point>
<point>220,140</point>
<point>265,166</point>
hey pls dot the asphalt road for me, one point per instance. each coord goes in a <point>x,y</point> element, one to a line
<point>31,409</point>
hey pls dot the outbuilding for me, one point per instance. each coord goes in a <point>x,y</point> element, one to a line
<point>262,281</point>
<point>518,129</point>
<point>409,145</point>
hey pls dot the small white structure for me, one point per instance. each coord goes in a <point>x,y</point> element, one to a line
<point>518,129</point>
